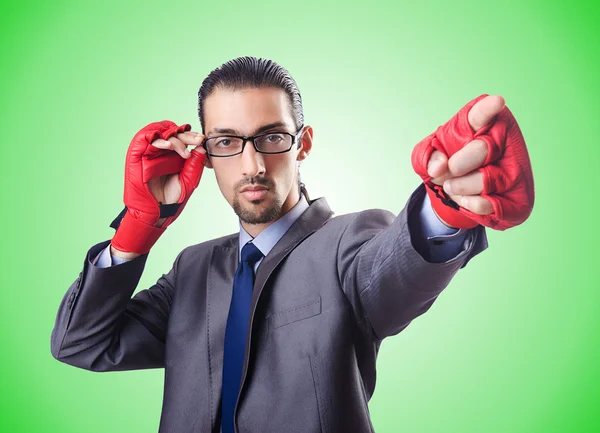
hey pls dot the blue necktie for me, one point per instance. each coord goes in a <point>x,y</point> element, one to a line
<point>236,331</point>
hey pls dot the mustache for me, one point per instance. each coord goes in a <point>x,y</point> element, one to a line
<point>255,181</point>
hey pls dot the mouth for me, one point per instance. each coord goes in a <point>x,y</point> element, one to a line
<point>254,193</point>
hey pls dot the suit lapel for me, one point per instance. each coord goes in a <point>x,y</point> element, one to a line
<point>222,266</point>
<point>314,217</point>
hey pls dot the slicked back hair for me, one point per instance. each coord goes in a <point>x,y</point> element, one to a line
<point>251,72</point>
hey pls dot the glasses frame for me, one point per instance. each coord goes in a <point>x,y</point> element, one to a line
<point>252,138</point>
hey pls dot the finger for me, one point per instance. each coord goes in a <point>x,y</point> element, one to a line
<point>172,144</point>
<point>440,180</point>
<point>469,158</point>
<point>179,147</point>
<point>192,170</point>
<point>199,149</point>
<point>474,203</point>
<point>438,164</point>
<point>190,138</point>
<point>193,139</point>
<point>161,144</point>
<point>484,111</point>
<point>469,184</point>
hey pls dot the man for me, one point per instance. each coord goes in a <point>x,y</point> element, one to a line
<point>277,328</point>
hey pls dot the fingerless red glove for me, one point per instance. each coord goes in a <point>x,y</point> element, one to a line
<point>136,224</point>
<point>507,174</point>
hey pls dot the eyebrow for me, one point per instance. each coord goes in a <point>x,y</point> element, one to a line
<point>268,126</point>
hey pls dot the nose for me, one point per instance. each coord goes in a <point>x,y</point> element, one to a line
<point>253,163</point>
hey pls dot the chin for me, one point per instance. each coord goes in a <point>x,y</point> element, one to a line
<point>257,211</point>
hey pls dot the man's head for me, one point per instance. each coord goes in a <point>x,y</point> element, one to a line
<point>246,97</point>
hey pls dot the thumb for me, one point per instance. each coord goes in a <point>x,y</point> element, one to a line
<point>438,164</point>
<point>192,169</point>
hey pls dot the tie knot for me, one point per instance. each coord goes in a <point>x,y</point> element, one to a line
<point>251,254</point>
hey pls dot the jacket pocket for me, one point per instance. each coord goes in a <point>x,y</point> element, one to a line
<point>304,310</point>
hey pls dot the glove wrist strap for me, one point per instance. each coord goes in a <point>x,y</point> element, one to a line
<point>135,236</point>
<point>447,209</point>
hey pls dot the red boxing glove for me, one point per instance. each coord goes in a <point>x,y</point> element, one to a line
<point>507,174</point>
<point>136,224</point>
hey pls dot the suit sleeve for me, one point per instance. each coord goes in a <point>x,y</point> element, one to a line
<point>433,240</point>
<point>388,282</point>
<point>100,327</point>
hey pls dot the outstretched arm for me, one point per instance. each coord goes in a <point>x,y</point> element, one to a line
<point>388,282</point>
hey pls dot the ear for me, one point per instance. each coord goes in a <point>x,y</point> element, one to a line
<point>207,162</point>
<point>305,143</point>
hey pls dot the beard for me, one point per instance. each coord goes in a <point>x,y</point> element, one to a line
<point>254,213</point>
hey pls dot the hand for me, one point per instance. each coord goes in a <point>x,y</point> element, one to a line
<point>480,159</point>
<point>167,188</point>
<point>459,175</point>
<point>160,177</point>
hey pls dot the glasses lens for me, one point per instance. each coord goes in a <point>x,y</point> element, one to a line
<point>273,143</point>
<point>223,146</point>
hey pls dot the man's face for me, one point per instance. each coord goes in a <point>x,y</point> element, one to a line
<point>249,112</point>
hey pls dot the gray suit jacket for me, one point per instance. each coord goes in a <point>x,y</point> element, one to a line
<point>324,298</point>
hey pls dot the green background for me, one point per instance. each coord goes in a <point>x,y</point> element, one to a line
<point>510,346</point>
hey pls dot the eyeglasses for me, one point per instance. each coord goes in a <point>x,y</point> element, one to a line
<point>231,145</point>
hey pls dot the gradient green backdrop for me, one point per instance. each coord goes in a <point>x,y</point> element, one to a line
<point>510,346</point>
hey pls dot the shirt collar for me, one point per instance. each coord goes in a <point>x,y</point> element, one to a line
<point>266,240</point>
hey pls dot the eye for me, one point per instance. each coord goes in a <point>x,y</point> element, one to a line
<point>273,138</point>
<point>223,142</point>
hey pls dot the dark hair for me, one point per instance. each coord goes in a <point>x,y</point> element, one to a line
<point>251,72</point>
